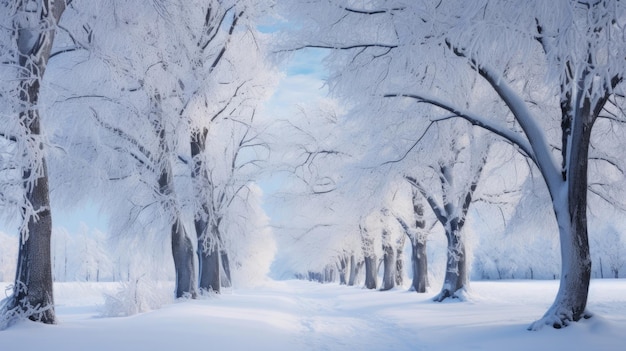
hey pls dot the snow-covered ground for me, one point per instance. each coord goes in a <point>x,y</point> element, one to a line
<point>298,315</point>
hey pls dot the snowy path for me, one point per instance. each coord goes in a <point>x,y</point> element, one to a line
<point>296,315</point>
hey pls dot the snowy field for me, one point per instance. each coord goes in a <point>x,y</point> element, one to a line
<point>298,315</point>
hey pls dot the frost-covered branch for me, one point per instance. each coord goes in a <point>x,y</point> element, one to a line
<point>147,155</point>
<point>439,212</point>
<point>485,123</point>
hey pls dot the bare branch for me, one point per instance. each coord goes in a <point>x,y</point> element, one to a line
<point>340,47</point>
<point>412,146</point>
<point>373,12</point>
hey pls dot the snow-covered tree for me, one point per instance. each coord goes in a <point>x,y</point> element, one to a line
<point>27,35</point>
<point>450,201</point>
<point>417,234</point>
<point>551,68</point>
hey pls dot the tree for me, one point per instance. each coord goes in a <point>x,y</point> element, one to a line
<point>569,50</point>
<point>26,41</point>
<point>130,138</point>
<point>585,82</point>
<point>371,263</point>
<point>451,203</point>
<point>418,237</point>
<point>216,83</point>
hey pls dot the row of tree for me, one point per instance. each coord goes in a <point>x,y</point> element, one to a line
<point>149,108</point>
<point>442,109</point>
<point>434,84</point>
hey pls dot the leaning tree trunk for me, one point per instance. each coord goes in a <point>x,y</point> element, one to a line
<point>456,278</point>
<point>32,293</point>
<point>571,214</point>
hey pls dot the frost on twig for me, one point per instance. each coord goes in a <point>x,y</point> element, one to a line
<point>13,311</point>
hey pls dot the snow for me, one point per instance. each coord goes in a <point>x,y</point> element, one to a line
<point>300,315</point>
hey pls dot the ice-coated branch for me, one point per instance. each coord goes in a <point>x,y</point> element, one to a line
<point>439,212</point>
<point>477,120</point>
<point>228,103</point>
<point>472,189</point>
<point>537,142</point>
<point>373,12</point>
<point>125,136</point>
<point>219,56</point>
<point>210,28</point>
<point>412,146</point>
<point>341,47</point>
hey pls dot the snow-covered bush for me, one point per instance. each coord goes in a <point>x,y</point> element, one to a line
<point>137,295</point>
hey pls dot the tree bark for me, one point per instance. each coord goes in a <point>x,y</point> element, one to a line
<point>342,268</point>
<point>419,263</point>
<point>571,214</point>
<point>417,237</point>
<point>353,271</point>
<point>33,292</point>
<point>389,267</point>
<point>209,258</point>
<point>419,259</point>
<point>399,273</point>
<point>182,251</point>
<point>208,251</point>
<point>226,277</point>
<point>371,274</point>
<point>456,278</point>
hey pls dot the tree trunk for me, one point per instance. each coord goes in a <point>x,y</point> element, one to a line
<point>399,274</point>
<point>571,214</point>
<point>182,251</point>
<point>353,271</point>
<point>371,273</point>
<point>342,268</point>
<point>601,272</point>
<point>225,270</point>
<point>32,293</point>
<point>209,252</point>
<point>571,299</point>
<point>389,268</point>
<point>419,263</point>
<point>209,258</point>
<point>419,259</point>
<point>456,278</point>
